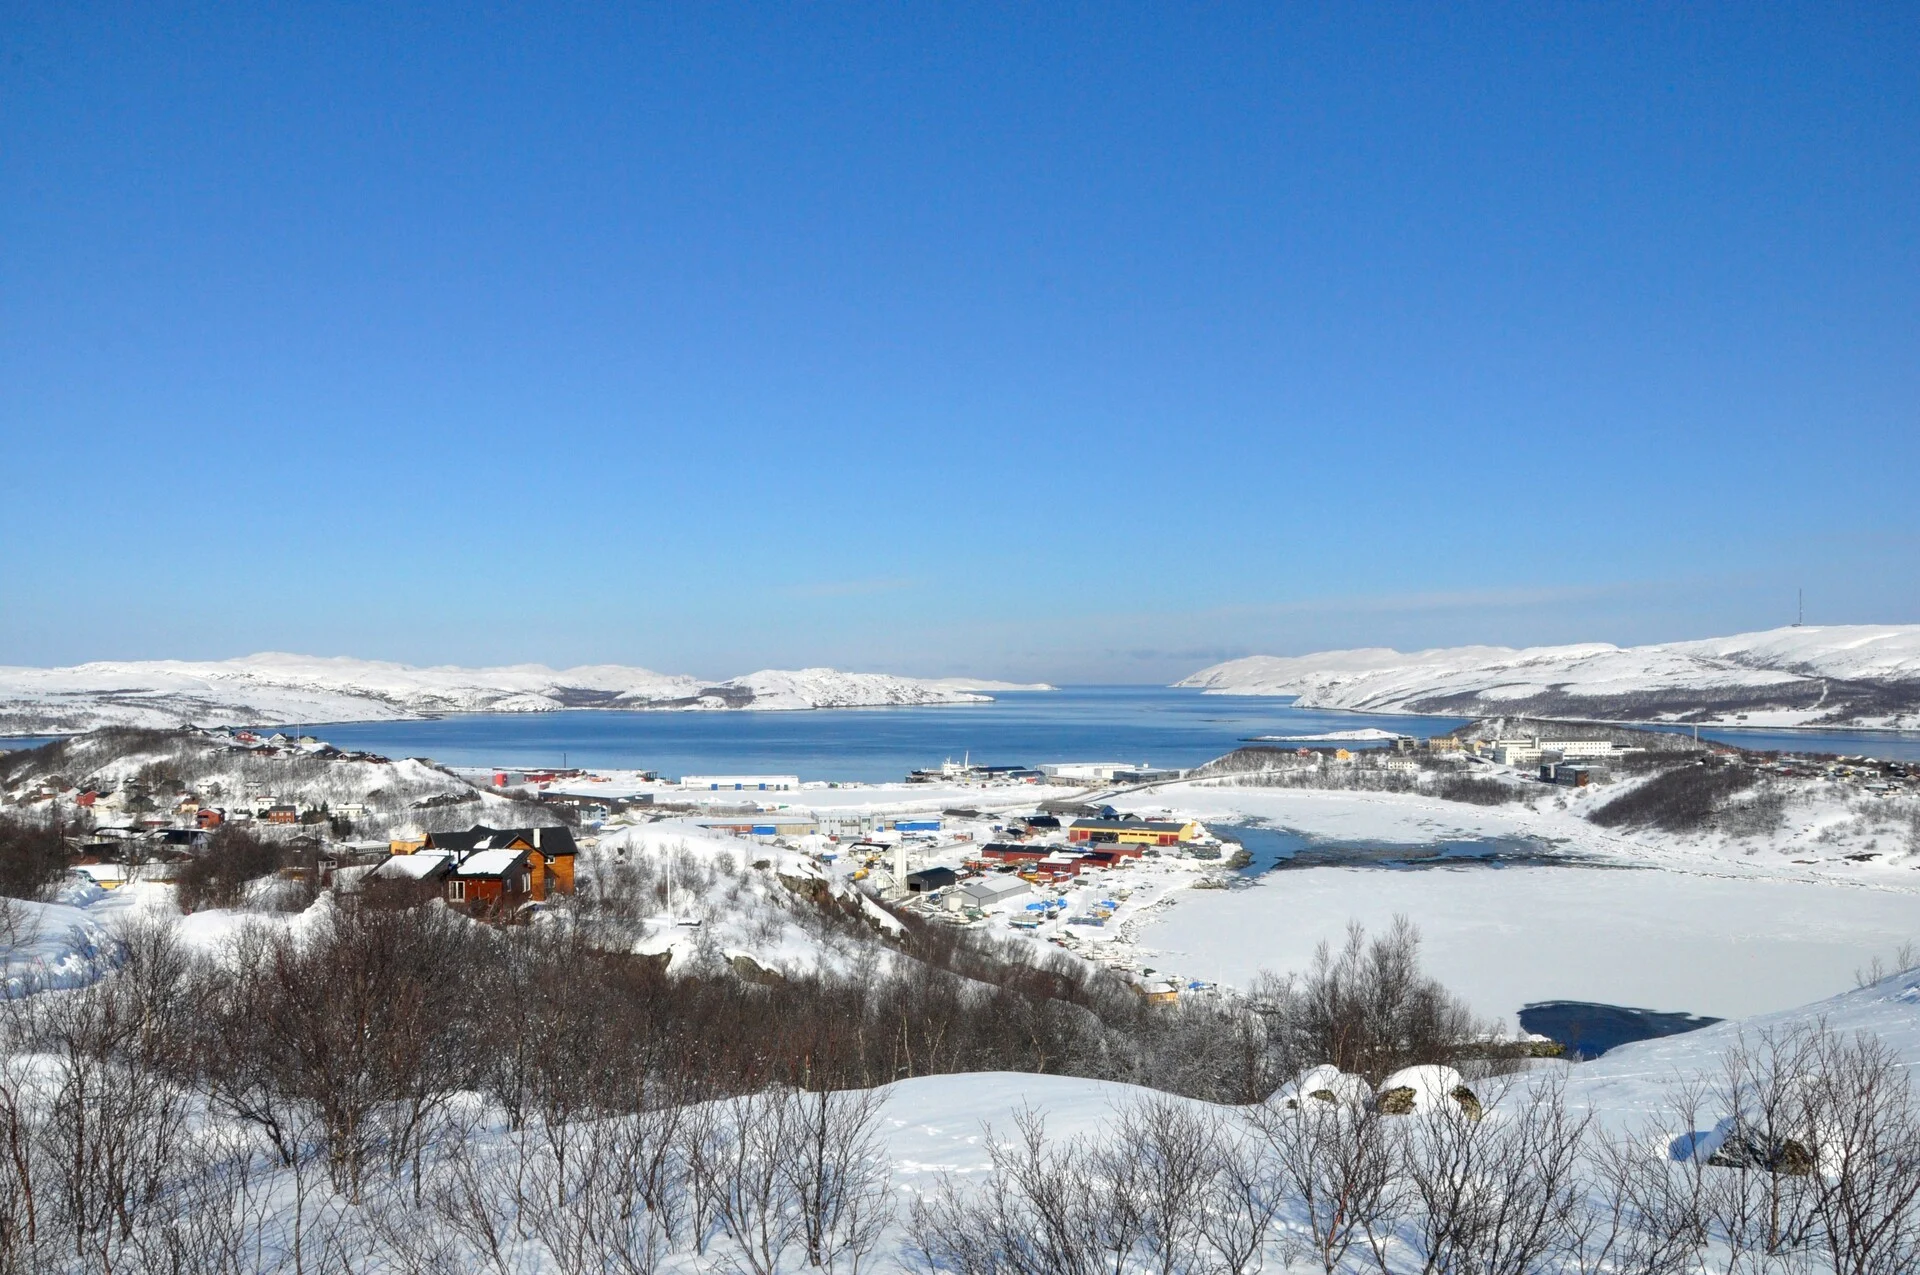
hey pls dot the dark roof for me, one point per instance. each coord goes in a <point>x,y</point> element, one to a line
<point>555,839</point>
<point>932,878</point>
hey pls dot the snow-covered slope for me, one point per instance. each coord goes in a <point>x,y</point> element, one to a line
<point>1865,675</point>
<point>277,689</point>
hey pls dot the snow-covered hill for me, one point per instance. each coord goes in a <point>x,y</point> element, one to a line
<point>1860,675</point>
<point>277,689</point>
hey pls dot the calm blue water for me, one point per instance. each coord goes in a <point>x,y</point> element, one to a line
<point>1589,1030</point>
<point>1888,745</point>
<point>1160,726</point>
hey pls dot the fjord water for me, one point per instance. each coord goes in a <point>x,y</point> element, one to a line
<point>1162,726</point>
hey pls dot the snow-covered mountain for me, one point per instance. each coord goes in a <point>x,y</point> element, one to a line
<point>275,689</point>
<point>1860,675</point>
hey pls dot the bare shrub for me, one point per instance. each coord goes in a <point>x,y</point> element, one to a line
<point>1047,1212</point>
<point>1683,799</point>
<point>218,876</point>
<point>1247,1193</point>
<point>1339,1165</point>
<point>1477,791</point>
<point>746,1184</point>
<point>353,1035</point>
<point>838,1177</point>
<point>1366,1008</point>
<point>33,858</point>
<point>1861,1112</point>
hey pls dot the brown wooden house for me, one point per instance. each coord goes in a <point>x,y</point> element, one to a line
<point>550,853</point>
<point>491,882</point>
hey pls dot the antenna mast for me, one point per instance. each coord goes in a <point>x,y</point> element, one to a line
<point>1801,617</point>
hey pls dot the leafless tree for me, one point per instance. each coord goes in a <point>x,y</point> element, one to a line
<point>1527,1206</point>
<point>1338,1163</point>
<point>1169,1152</point>
<point>1036,1217</point>
<point>1366,1007</point>
<point>477,1187</point>
<point>1865,1130</point>
<point>1246,1194</point>
<point>747,1181</point>
<point>838,1175</point>
<point>1754,1190</point>
<point>1640,1217</point>
<point>639,1211</point>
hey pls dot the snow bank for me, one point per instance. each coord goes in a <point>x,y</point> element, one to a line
<point>48,946</point>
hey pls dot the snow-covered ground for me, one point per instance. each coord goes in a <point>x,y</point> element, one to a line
<point>1778,677</point>
<point>731,899</point>
<point>1635,1083</point>
<point>46,946</point>
<point>279,689</point>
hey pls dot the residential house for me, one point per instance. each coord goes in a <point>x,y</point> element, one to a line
<point>550,852</point>
<point>423,874</point>
<point>490,881</point>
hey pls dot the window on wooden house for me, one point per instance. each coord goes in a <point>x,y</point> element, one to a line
<point>457,891</point>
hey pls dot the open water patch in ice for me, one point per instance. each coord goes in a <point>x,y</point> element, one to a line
<point>1271,849</point>
<point>1588,1029</point>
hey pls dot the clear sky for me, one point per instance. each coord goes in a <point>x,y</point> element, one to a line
<point>1080,342</point>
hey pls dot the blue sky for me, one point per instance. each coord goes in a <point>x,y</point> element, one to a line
<point>1085,343</point>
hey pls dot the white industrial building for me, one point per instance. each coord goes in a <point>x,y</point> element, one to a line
<point>984,892</point>
<point>741,783</point>
<point>1090,772</point>
<point>1524,751</point>
<point>1580,747</point>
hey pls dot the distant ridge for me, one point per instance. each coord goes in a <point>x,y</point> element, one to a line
<point>1835,675</point>
<point>276,689</point>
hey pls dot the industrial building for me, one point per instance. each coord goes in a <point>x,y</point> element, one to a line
<point>927,880</point>
<point>1091,772</point>
<point>742,783</point>
<point>763,825</point>
<point>1133,832</point>
<point>986,891</point>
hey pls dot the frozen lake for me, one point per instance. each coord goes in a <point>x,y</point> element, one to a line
<point>1504,937</point>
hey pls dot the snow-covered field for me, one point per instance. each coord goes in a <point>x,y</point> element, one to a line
<point>1700,924</point>
<point>1780,677</point>
<point>1504,937</point>
<point>278,689</point>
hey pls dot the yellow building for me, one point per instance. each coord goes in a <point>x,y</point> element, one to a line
<point>1133,832</point>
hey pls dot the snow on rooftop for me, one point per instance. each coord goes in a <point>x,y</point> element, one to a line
<point>486,863</point>
<point>412,867</point>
